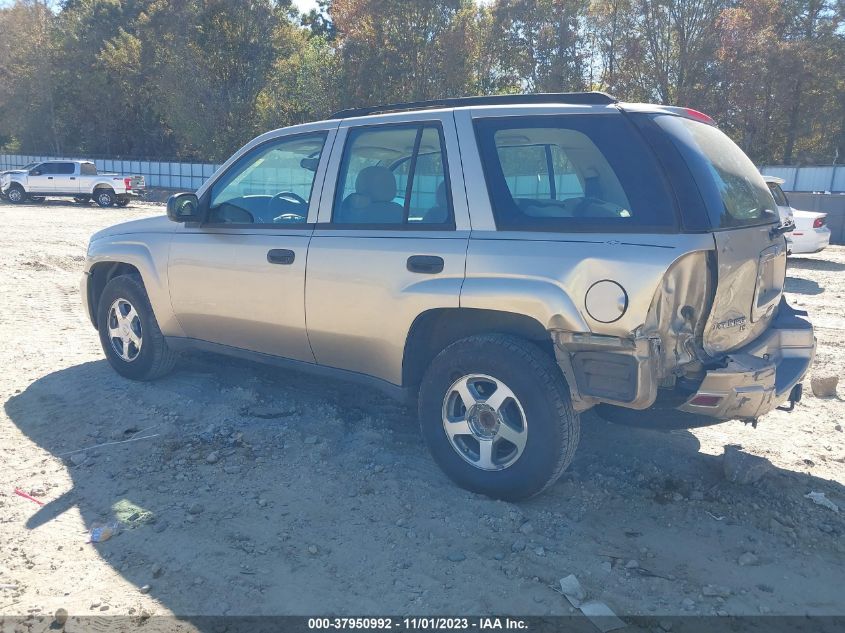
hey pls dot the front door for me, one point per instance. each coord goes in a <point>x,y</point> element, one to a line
<point>390,242</point>
<point>40,179</point>
<point>238,279</point>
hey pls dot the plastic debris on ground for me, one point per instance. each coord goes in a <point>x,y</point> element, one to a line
<point>102,532</point>
<point>595,611</point>
<point>819,499</point>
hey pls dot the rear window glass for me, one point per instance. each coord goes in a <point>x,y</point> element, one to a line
<point>733,189</point>
<point>572,173</point>
<point>778,194</point>
<point>88,169</point>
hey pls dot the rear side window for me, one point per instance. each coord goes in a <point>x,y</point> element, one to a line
<point>572,173</point>
<point>64,168</point>
<point>733,189</point>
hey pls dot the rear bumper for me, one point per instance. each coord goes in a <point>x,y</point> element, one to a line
<point>811,240</point>
<point>760,376</point>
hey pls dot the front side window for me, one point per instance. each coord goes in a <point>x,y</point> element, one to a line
<point>47,169</point>
<point>271,184</point>
<point>572,173</point>
<point>393,175</point>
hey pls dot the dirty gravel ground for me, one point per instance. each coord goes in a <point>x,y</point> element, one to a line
<point>259,491</point>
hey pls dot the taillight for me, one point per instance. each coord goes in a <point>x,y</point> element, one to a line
<point>819,222</point>
<point>128,183</point>
<point>699,116</point>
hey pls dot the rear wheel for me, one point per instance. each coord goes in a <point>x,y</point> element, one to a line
<point>496,415</point>
<point>129,332</point>
<point>104,197</point>
<point>16,194</point>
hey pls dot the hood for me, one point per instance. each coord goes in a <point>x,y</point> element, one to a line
<point>12,171</point>
<point>158,224</point>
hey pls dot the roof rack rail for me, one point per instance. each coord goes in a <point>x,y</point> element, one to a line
<point>574,98</point>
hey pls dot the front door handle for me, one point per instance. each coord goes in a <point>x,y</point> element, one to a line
<point>73,177</point>
<point>49,178</point>
<point>425,264</point>
<point>280,256</point>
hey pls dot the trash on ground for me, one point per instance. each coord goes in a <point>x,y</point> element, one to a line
<point>819,499</point>
<point>21,493</point>
<point>572,589</point>
<point>602,616</point>
<point>102,532</point>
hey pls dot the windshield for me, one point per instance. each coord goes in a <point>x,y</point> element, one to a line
<point>734,191</point>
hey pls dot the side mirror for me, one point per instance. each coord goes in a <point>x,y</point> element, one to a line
<point>35,172</point>
<point>183,207</point>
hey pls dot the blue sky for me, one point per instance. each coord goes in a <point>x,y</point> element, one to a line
<point>305,5</point>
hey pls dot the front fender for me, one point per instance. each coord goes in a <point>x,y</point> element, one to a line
<point>148,254</point>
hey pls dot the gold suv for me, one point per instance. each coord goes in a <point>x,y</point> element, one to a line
<point>506,262</point>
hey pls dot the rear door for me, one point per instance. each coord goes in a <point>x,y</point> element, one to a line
<point>65,180</point>
<point>750,252</point>
<point>390,242</point>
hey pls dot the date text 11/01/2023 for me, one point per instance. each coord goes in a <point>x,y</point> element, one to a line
<point>418,623</point>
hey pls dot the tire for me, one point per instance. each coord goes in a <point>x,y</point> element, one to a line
<point>16,194</point>
<point>105,197</point>
<point>148,359</point>
<point>37,198</point>
<point>122,202</point>
<point>537,402</point>
<point>82,199</point>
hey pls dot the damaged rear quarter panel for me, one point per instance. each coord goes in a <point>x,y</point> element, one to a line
<point>653,329</point>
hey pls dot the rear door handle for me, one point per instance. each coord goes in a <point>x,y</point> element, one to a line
<point>425,264</point>
<point>73,177</point>
<point>280,256</point>
<point>49,178</point>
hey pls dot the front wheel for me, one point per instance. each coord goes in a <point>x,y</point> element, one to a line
<point>496,415</point>
<point>104,197</point>
<point>129,332</point>
<point>16,194</point>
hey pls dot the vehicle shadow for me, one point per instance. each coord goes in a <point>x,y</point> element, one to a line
<point>249,490</point>
<point>812,263</point>
<point>802,286</point>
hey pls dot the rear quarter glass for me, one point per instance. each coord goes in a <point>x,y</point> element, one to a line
<point>573,173</point>
<point>732,189</point>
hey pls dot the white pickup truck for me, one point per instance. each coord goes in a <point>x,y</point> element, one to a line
<point>78,179</point>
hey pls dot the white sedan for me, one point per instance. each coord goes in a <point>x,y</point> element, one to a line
<point>811,232</point>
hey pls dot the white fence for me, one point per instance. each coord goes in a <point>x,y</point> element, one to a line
<point>813,178</point>
<point>165,174</point>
